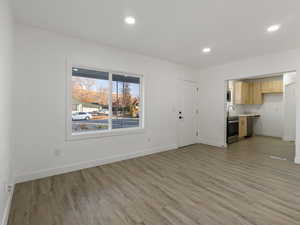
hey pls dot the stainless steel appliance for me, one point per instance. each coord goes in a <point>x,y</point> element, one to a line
<point>249,126</point>
<point>232,129</point>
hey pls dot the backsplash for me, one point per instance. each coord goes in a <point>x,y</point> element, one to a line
<point>270,122</point>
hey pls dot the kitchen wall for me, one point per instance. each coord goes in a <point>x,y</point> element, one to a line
<point>6,52</point>
<point>270,122</point>
<point>277,113</point>
<point>212,89</point>
<point>40,96</point>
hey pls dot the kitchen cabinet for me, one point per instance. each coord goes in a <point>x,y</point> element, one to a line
<point>272,86</point>
<point>248,92</point>
<point>242,126</point>
<point>241,92</point>
<point>246,124</point>
<point>257,97</point>
<point>251,92</point>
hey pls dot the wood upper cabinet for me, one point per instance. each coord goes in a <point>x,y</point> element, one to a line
<point>272,86</point>
<point>248,92</point>
<point>277,86</point>
<point>241,92</point>
<point>257,97</point>
<point>251,92</point>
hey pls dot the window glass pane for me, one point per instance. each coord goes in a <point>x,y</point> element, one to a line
<point>125,101</point>
<point>90,94</point>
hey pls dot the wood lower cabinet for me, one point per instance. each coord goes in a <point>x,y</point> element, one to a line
<point>242,126</point>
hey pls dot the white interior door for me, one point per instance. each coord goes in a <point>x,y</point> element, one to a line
<point>187,113</point>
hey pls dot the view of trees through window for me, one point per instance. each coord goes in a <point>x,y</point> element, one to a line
<point>125,101</point>
<point>98,105</point>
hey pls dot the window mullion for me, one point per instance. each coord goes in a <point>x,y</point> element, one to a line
<point>110,102</point>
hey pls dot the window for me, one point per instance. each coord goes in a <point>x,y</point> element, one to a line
<point>125,101</point>
<point>104,101</point>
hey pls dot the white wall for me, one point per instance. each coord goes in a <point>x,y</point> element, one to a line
<point>39,112</point>
<point>289,103</point>
<point>211,81</point>
<point>270,122</point>
<point>6,40</point>
<point>289,78</point>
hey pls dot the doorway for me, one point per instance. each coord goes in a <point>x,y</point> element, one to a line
<point>263,110</point>
<point>187,113</point>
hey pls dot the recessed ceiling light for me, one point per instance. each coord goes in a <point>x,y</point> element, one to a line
<point>130,20</point>
<point>206,50</point>
<point>75,69</point>
<point>273,28</point>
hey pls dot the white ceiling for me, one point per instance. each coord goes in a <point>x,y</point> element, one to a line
<point>175,30</point>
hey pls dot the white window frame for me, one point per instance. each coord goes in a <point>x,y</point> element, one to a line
<point>102,133</point>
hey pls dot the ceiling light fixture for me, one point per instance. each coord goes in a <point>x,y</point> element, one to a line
<point>130,20</point>
<point>273,28</point>
<point>206,50</point>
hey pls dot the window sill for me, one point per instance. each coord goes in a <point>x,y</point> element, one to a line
<point>101,134</point>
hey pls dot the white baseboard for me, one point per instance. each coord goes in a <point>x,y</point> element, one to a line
<point>88,164</point>
<point>211,142</point>
<point>297,160</point>
<point>288,138</point>
<point>7,207</point>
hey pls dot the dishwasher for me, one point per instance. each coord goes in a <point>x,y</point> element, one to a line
<point>249,126</point>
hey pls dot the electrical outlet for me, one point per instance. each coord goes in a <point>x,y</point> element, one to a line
<point>9,188</point>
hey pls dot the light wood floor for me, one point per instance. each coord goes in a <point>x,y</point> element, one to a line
<point>198,184</point>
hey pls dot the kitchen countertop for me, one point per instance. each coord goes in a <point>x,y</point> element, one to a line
<point>250,115</point>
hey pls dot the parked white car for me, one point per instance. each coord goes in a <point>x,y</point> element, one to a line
<point>104,111</point>
<point>81,116</point>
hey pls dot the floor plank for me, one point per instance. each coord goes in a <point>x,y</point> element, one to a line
<point>198,184</point>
